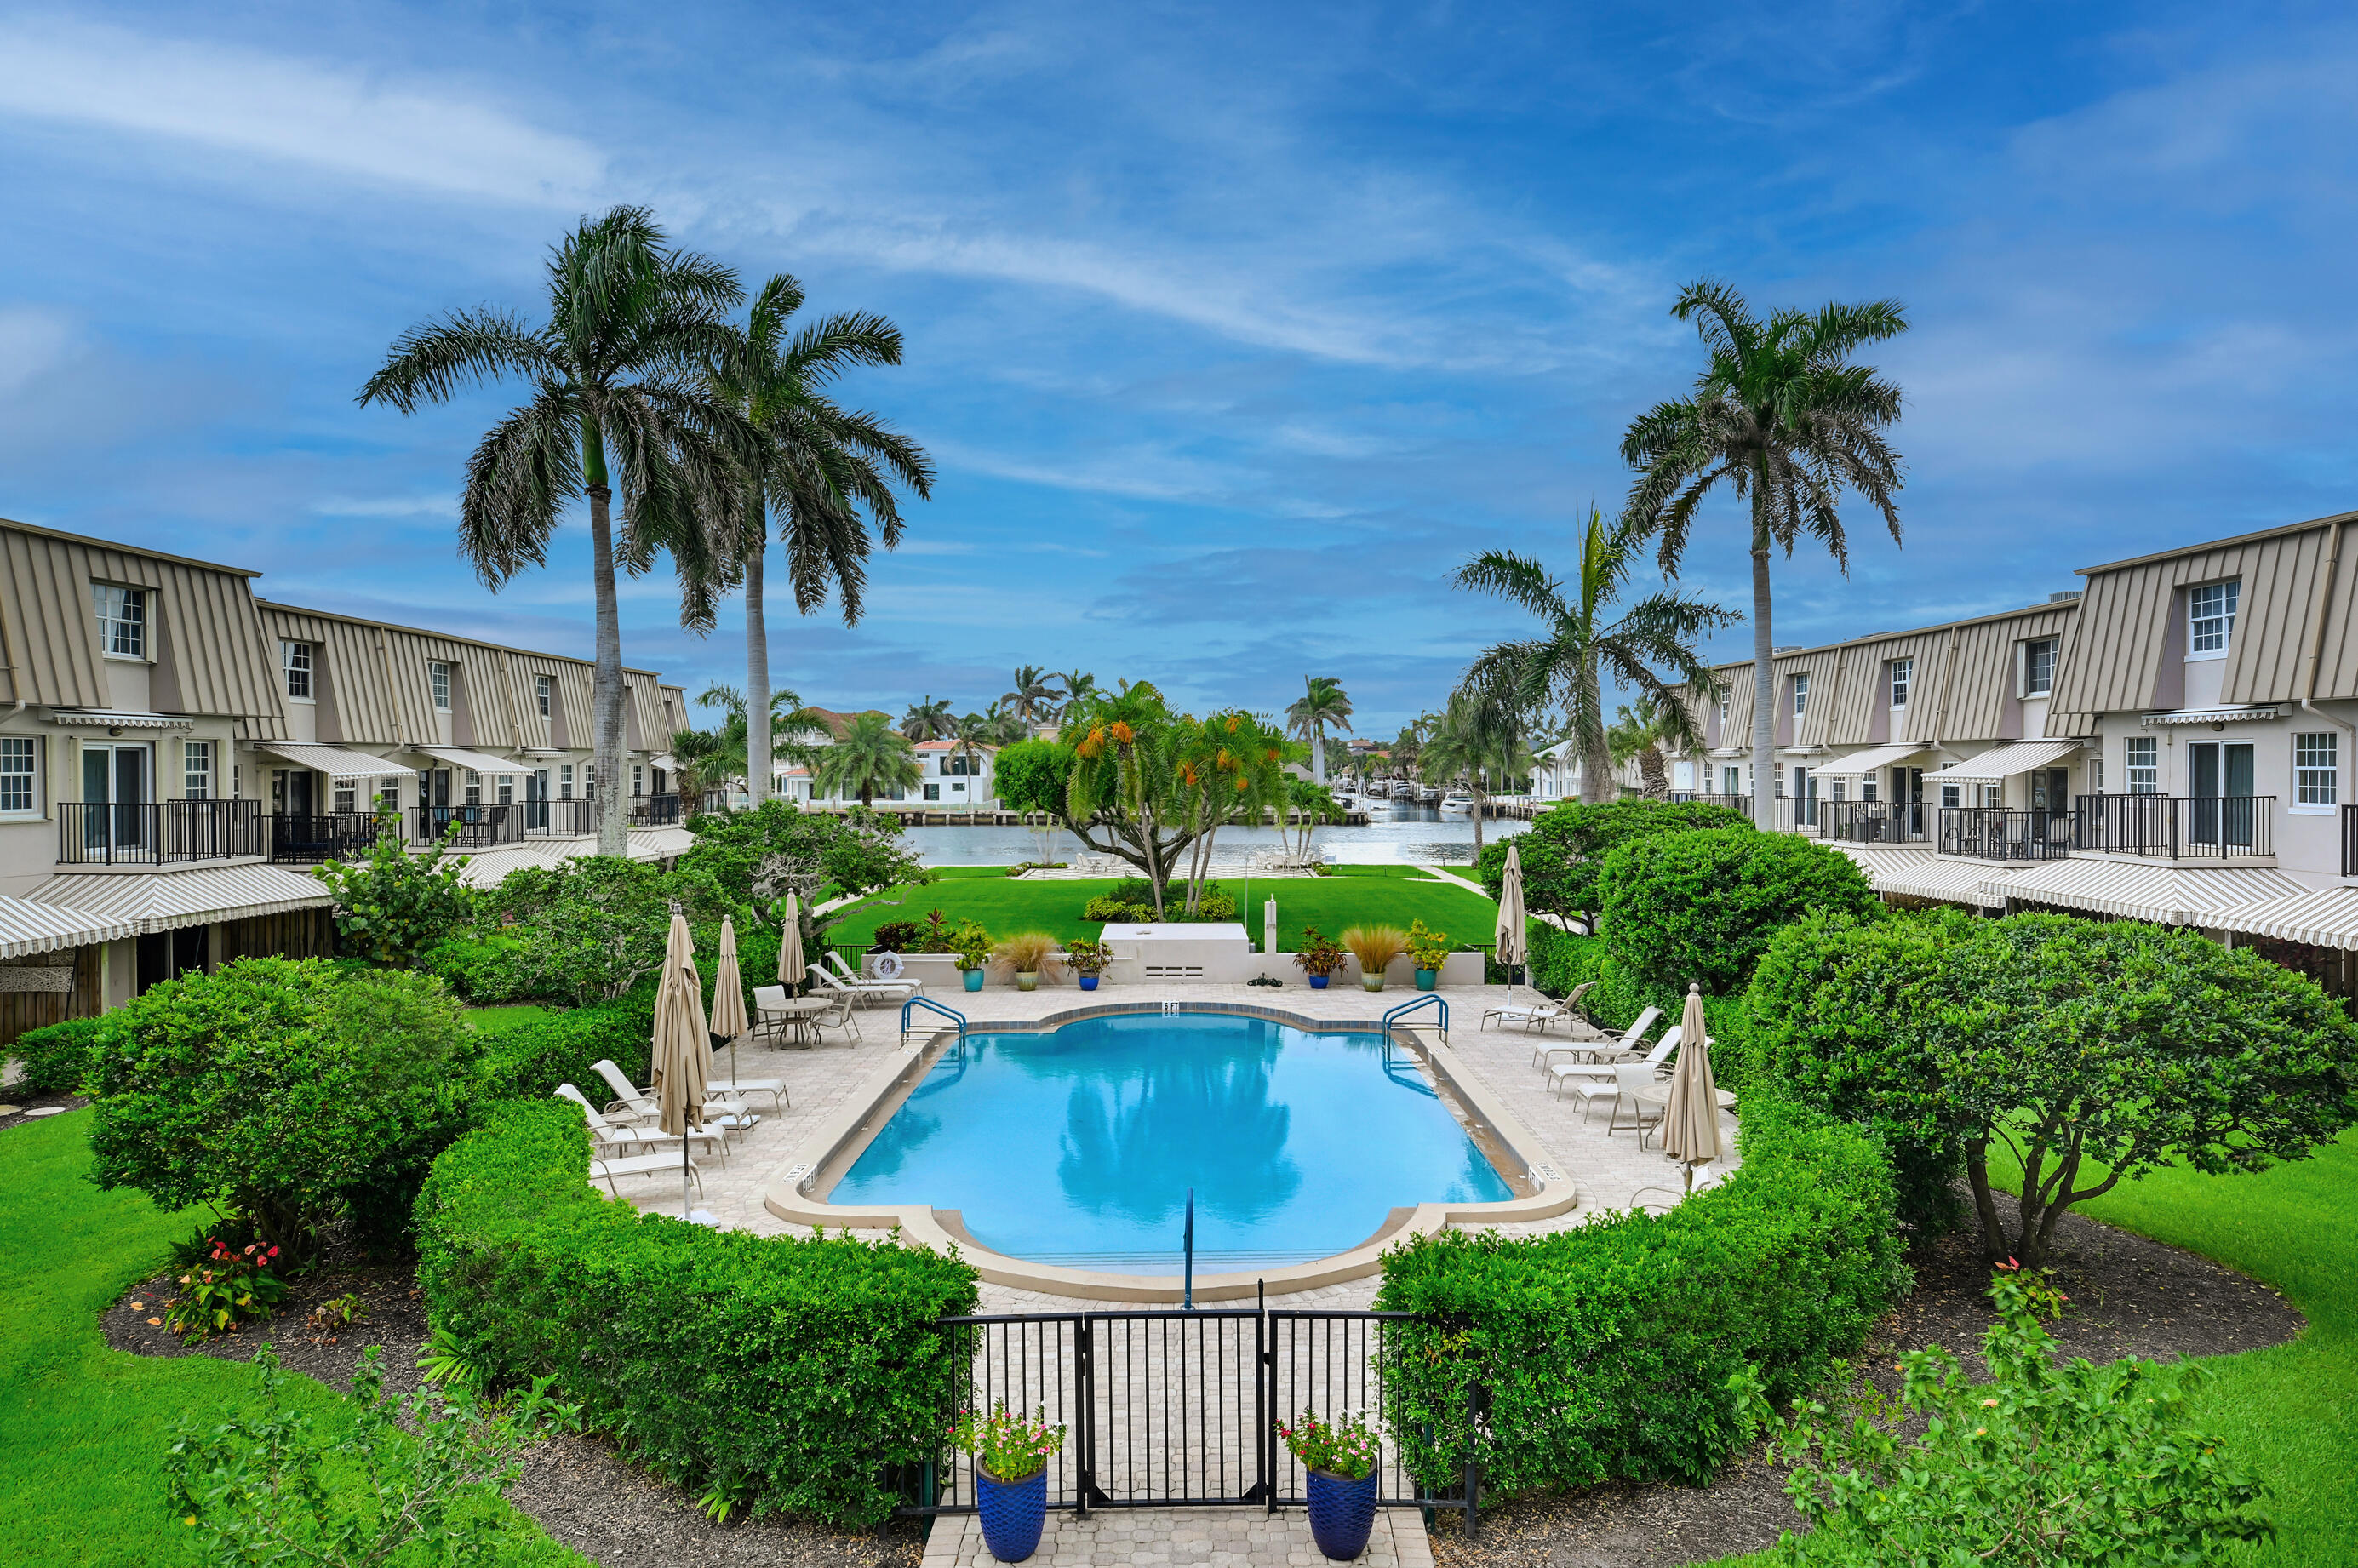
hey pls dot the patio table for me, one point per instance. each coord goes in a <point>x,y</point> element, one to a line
<point>795,1019</point>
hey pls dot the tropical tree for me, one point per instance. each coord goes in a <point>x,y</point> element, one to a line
<point>1079,686</point>
<point>932,720</point>
<point>825,474</point>
<point>1033,696</point>
<point>704,761</point>
<point>1006,729</point>
<point>1581,643</point>
<point>972,733</point>
<point>613,375</point>
<point>1638,730</point>
<point>1781,416</point>
<point>1480,733</point>
<point>869,759</point>
<point>735,752</point>
<point>1322,705</point>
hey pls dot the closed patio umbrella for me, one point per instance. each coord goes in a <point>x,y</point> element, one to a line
<point>729,1024</point>
<point>1690,1118</point>
<point>791,970</point>
<point>682,1055</point>
<point>1514,945</point>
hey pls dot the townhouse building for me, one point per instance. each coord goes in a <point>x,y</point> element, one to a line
<point>177,752</point>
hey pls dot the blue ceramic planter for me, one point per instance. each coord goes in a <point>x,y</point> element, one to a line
<point>973,979</point>
<point>1427,979</point>
<point>1318,982</point>
<point>1342,1513</point>
<point>1089,982</point>
<point>1014,1512</point>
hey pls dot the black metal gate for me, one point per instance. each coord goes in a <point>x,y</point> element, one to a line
<point>1165,1408</point>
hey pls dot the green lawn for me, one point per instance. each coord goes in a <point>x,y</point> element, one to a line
<point>82,1427</point>
<point>1359,895</point>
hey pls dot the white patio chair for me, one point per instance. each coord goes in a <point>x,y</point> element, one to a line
<point>1538,1014</point>
<point>1629,1080</point>
<point>627,1140</point>
<point>889,992</point>
<point>1631,1040</point>
<point>838,1016</point>
<point>637,1107</point>
<point>1562,1075</point>
<point>643,1165</point>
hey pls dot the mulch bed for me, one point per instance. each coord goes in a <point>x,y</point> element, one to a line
<point>18,1099</point>
<point>2130,1296</point>
<point>582,1492</point>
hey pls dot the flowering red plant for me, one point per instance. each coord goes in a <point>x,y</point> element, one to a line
<point>1344,1448</point>
<point>226,1288</point>
<point>1008,1445</point>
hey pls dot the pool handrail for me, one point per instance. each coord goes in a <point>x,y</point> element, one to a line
<point>1404,1009</point>
<point>930,1005</point>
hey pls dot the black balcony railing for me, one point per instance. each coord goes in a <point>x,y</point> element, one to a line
<point>158,833</point>
<point>2179,827</point>
<point>1706,797</point>
<point>332,835</point>
<point>1876,821</point>
<point>559,819</point>
<point>2349,840</point>
<point>655,811</point>
<point>2006,833</point>
<point>471,827</point>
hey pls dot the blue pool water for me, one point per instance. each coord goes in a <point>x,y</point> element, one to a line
<point>1078,1146</point>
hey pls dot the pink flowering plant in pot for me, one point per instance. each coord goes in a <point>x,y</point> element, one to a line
<point>1340,1456</point>
<point>1010,1453</point>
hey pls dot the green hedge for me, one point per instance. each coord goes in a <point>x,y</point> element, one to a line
<point>56,1055</point>
<point>1608,1349</point>
<point>796,1366</point>
<point>1703,906</point>
<point>1563,850</point>
<point>528,1060</point>
<point>485,969</point>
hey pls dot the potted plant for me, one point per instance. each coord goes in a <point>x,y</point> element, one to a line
<point>1428,950</point>
<point>1011,1454</point>
<point>1318,957</point>
<point>971,944</point>
<point>1340,1456</point>
<point>1027,956</point>
<point>1088,959</point>
<point>1374,947</point>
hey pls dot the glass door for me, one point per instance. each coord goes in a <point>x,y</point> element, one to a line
<point>114,789</point>
<point>2219,776</point>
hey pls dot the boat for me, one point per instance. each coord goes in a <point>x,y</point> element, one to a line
<point>1429,793</point>
<point>1458,800</point>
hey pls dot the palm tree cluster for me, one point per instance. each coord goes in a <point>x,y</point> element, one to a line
<point>714,428</point>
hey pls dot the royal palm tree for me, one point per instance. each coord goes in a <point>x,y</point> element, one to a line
<point>613,371</point>
<point>1033,696</point>
<point>825,474</point>
<point>929,719</point>
<point>869,758</point>
<point>1580,644</point>
<point>1781,417</point>
<point>1322,703</point>
<point>1079,686</point>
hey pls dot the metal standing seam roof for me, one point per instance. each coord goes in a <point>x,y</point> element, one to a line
<point>1952,881</point>
<point>2173,895</point>
<point>333,760</point>
<point>2323,917</point>
<point>28,927</point>
<point>2001,763</point>
<point>167,901</point>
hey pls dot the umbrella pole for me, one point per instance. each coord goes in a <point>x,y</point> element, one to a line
<point>685,1213</point>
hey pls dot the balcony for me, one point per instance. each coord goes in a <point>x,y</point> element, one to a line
<point>559,819</point>
<point>298,840</point>
<point>158,833</point>
<point>655,811</point>
<point>2179,827</point>
<point>471,828</point>
<point>2006,833</point>
<point>1867,821</point>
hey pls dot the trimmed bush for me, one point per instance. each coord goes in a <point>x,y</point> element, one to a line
<point>530,1059</point>
<point>486,969</point>
<point>56,1055</point>
<point>1608,1349</point>
<point>1563,852</point>
<point>1703,906</point>
<point>1562,961</point>
<point>793,1367</point>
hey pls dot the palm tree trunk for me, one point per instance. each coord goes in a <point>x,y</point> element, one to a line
<point>1317,751</point>
<point>1596,755</point>
<point>1478,814</point>
<point>758,766</point>
<point>606,677</point>
<point>1764,680</point>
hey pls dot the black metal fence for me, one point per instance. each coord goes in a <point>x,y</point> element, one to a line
<point>560,818</point>
<point>1165,1408</point>
<point>329,836</point>
<point>2006,833</point>
<point>471,827</point>
<point>655,811</point>
<point>1876,821</point>
<point>2170,826</point>
<point>160,833</point>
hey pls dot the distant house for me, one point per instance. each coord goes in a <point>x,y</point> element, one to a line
<point>953,777</point>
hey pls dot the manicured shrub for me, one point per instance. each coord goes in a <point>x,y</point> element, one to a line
<point>530,1059</point>
<point>797,1368</point>
<point>1563,852</point>
<point>1608,1350</point>
<point>305,1101</point>
<point>56,1055</point>
<point>486,969</point>
<point>393,906</point>
<point>1562,961</point>
<point>1700,906</point>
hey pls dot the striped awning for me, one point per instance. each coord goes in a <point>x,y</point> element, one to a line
<point>334,760</point>
<point>2323,917</point>
<point>167,901</point>
<point>28,927</point>
<point>1858,764</point>
<point>474,761</point>
<point>2215,715</point>
<point>489,868</point>
<point>1950,882</point>
<point>1873,861</point>
<point>660,843</point>
<point>2002,762</point>
<point>2171,896</point>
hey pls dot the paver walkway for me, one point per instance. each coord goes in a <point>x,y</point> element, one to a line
<point>1171,1538</point>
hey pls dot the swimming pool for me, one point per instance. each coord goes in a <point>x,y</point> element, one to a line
<point>1077,1146</point>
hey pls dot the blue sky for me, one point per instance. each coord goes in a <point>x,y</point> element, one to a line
<point>1232,329</point>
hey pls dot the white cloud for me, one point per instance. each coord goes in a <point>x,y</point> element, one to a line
<point>336,118</point>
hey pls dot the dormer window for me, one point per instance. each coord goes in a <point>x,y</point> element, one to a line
<point>437,676</point>
<point>295,661</point>
<point>2039,668</point>
<point>2211,618</point>
<point>1903,676</point>
<point>1800,695</point>
<point>121,619</point>
<point>542,686</point>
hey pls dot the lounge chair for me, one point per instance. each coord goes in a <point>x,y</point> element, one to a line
<point>1537,1015</point>
<point>636,1107</point>
<point>889,992</point>
<point>628,1140</point>
<point>1563,1074</point>
<point>1632,1040</point>
<point>643,1165</point>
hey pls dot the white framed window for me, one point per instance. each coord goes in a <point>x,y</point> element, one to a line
<point>437,676</point>
<point>1903,676</point>
<point>1993,795</point>
<point>1723,715</point>
<point>2039,668</point>
<point>2144,765</point>
<point>564,782</point>
<point>121,619</point>
<point>2211,618</point>
<point>295,661</point>
<point>542,686</point>
<point>1800,694</point>
<point>2317,770</point>
<point>507,789</point>
<point>20,776</point>
<point>1950,794</point>
<point>1841,786</point>
<point>474,788</point>
<point>638,779</point>
<point>197,770</point>
<point>348,794</point>
<point>2095,775</point>
<point>1867,787</point>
